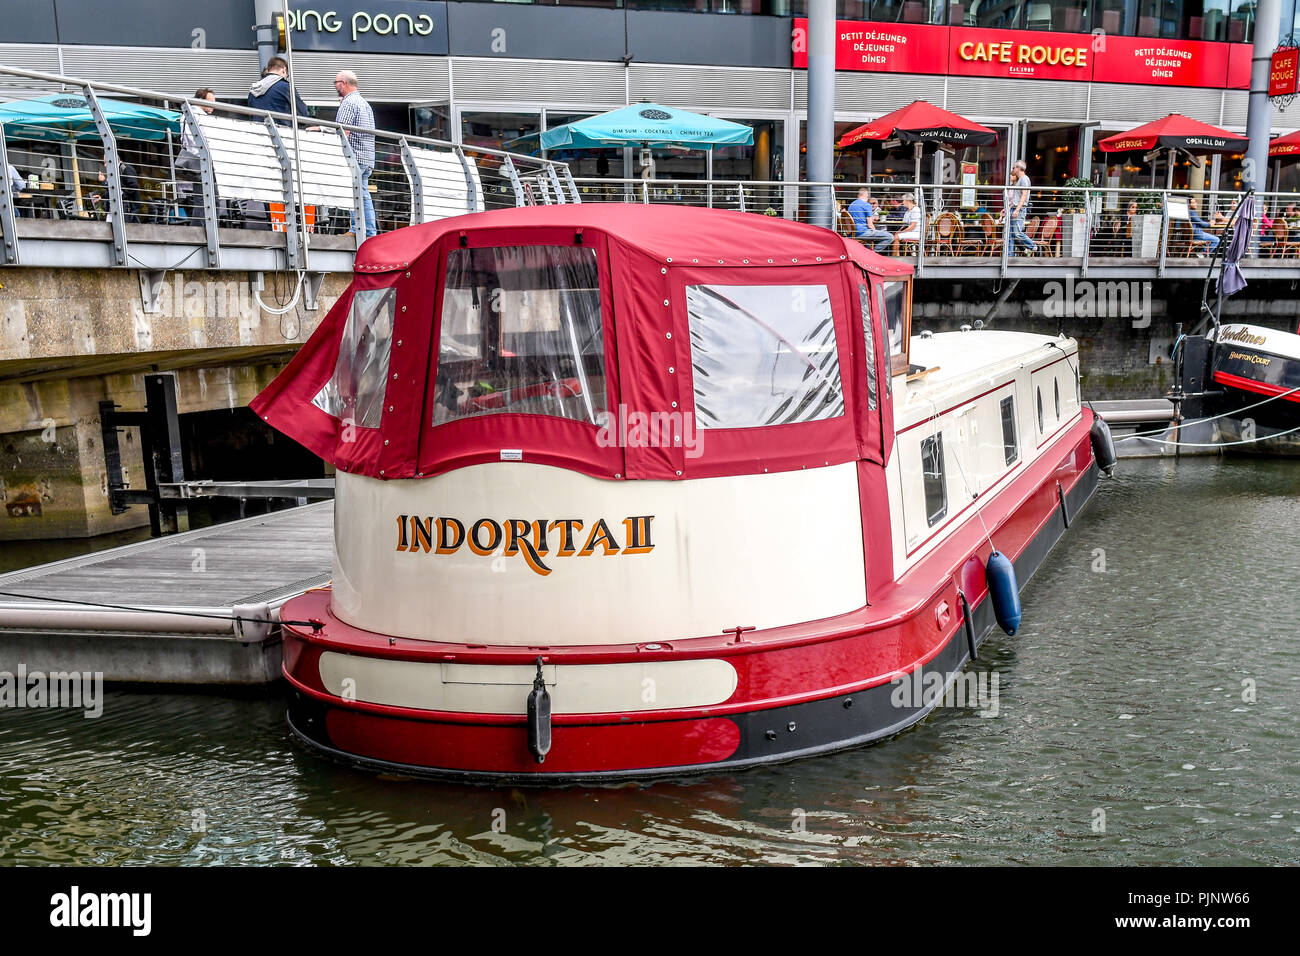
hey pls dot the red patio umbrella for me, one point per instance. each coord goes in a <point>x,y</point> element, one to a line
<point>1175,132</point>
<point>1288,145</point>
<point>920,122</point>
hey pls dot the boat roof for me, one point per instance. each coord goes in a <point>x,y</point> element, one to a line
<point>664,231</point>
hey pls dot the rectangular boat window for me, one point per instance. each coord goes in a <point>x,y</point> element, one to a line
<point>864,300</point>
<point>1009,444</point>
<point>936,494</point>
<point>763,355</point>
<point>521,333</point>
<point>897,307</point>
<point>355,392</point>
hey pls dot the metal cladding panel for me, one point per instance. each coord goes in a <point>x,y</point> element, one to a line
<point>1035,99</point>
<point>716,88</point>
<point>182,71</point>
<point>539,81</point>
<point>43,59</point>
<point>1141,104</point>
<point>524,31</point>
<point>27,21</point>
<point>385,77</point>
<point>656,36</point>
<point>873,92</point>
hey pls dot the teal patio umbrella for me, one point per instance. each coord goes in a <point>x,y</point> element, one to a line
<point>66,117</point>
<point>646,124</point>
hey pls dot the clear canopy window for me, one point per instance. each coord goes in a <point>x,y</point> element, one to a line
<point>763,355</point>
<point>355,392</point>
<point>521,333</point>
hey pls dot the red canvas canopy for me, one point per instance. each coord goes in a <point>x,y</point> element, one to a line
<point>1175,131</point>
<point>921,122</point>
<point>649,259</point>
<point>1288,145</point>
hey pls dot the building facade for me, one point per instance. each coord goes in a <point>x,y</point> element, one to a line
<point>1051,78</point>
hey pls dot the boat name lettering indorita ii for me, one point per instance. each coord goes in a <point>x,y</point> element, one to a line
<point>531,584</point>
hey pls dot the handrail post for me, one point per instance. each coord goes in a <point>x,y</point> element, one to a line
<point>8,227</point>
<point>513,175</point>
<point>415,182</point>
<point>573,187</point>
<point>292,256</point>
<point>208,185</point>
<point>740,196</point>
<point>471,194</point>
<point>920,239</point>
<point>112,175</point>
<point>358,189</point>
<point>1087,234</point>
<point>1164,234</point>
<point>645,191</point>
<point>555,182</point>
<point>1006,230</point>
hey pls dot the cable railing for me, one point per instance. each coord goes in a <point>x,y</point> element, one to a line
<point>948,229</point>
<point>141,179</point>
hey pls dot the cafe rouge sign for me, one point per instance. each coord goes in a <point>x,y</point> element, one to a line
<point>1028,54</point>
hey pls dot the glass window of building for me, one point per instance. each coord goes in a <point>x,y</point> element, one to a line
<point>494,129</point>
<point>432,120</point>
<point>584,163</point>
<point>1001,14</point>
<point>764,161</point>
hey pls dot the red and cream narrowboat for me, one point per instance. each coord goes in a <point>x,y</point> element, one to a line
<point>634,490</point>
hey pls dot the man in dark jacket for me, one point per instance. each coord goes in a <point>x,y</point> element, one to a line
<point>272,91</point>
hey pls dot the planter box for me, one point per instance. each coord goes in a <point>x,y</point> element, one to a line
<point>1076,231</point>
<point>1146,236</point>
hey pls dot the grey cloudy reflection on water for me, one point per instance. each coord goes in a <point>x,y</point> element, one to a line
<point>1124,735</point>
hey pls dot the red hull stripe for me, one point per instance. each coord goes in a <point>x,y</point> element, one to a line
<point>1252,385</point>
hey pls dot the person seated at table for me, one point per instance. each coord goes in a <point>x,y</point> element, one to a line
<point>1200,228</point>
<point>864,221</point>
<point>911,231</point>
<point>897,211</point>
<point>130,189</point>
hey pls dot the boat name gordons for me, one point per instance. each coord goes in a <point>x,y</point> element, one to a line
<point>527,539</point>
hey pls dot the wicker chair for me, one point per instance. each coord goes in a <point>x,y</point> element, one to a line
<point>1049,237</point>
<point>947,233</point>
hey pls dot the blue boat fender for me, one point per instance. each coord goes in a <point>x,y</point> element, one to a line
<point>1004,591</point>
<point>1103,446</point>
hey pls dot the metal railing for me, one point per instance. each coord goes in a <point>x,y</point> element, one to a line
<point>956,230</point>
<point>213,185</point>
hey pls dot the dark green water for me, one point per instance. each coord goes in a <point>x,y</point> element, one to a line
<point>1122,694</point>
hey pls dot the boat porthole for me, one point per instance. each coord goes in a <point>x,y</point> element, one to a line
<point>1056,389</point>
<point>1039,393</point>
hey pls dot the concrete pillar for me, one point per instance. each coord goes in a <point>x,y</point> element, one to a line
<point>264,17</point>
<point>821,109</point>
<point>1259,113</point>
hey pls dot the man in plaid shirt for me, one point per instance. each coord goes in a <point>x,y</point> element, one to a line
<point>355,111</point>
